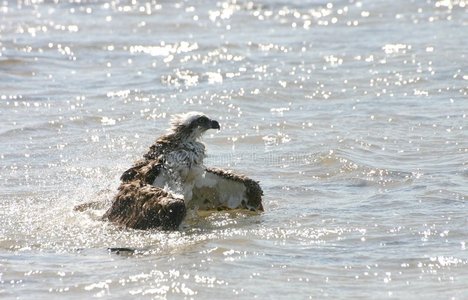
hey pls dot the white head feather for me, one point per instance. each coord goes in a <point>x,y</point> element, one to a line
<point>184,119</point>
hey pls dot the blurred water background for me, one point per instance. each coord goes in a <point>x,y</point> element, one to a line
<point>352,114</point>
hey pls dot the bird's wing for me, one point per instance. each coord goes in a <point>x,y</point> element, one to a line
<point>220,189</point>
<point>145,170</point>
<point>140,205</point>
<point>145,206</point>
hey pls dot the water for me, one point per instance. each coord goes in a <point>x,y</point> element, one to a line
<point>352,114</point>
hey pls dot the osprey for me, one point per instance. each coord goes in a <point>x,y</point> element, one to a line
<point>171,178</point>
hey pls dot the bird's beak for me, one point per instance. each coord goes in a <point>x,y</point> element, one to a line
<point>215,125</point>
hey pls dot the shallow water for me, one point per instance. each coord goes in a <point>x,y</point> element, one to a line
<point>352,114</point>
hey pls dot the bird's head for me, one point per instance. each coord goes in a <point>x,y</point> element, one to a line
<point>192,124</point>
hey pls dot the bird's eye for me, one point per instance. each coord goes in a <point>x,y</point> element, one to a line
<point>203,120</point>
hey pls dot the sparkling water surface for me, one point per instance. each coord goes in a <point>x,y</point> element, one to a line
<point>351,114</point>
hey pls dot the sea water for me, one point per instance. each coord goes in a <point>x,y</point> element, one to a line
<point>351,114</point>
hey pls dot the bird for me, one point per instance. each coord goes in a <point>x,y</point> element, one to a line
<point>171,178</point>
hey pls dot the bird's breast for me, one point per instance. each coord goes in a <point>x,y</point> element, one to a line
<point>197,152</point>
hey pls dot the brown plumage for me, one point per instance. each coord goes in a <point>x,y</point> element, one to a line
<point>253,192</point>
<point>144,206</point>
